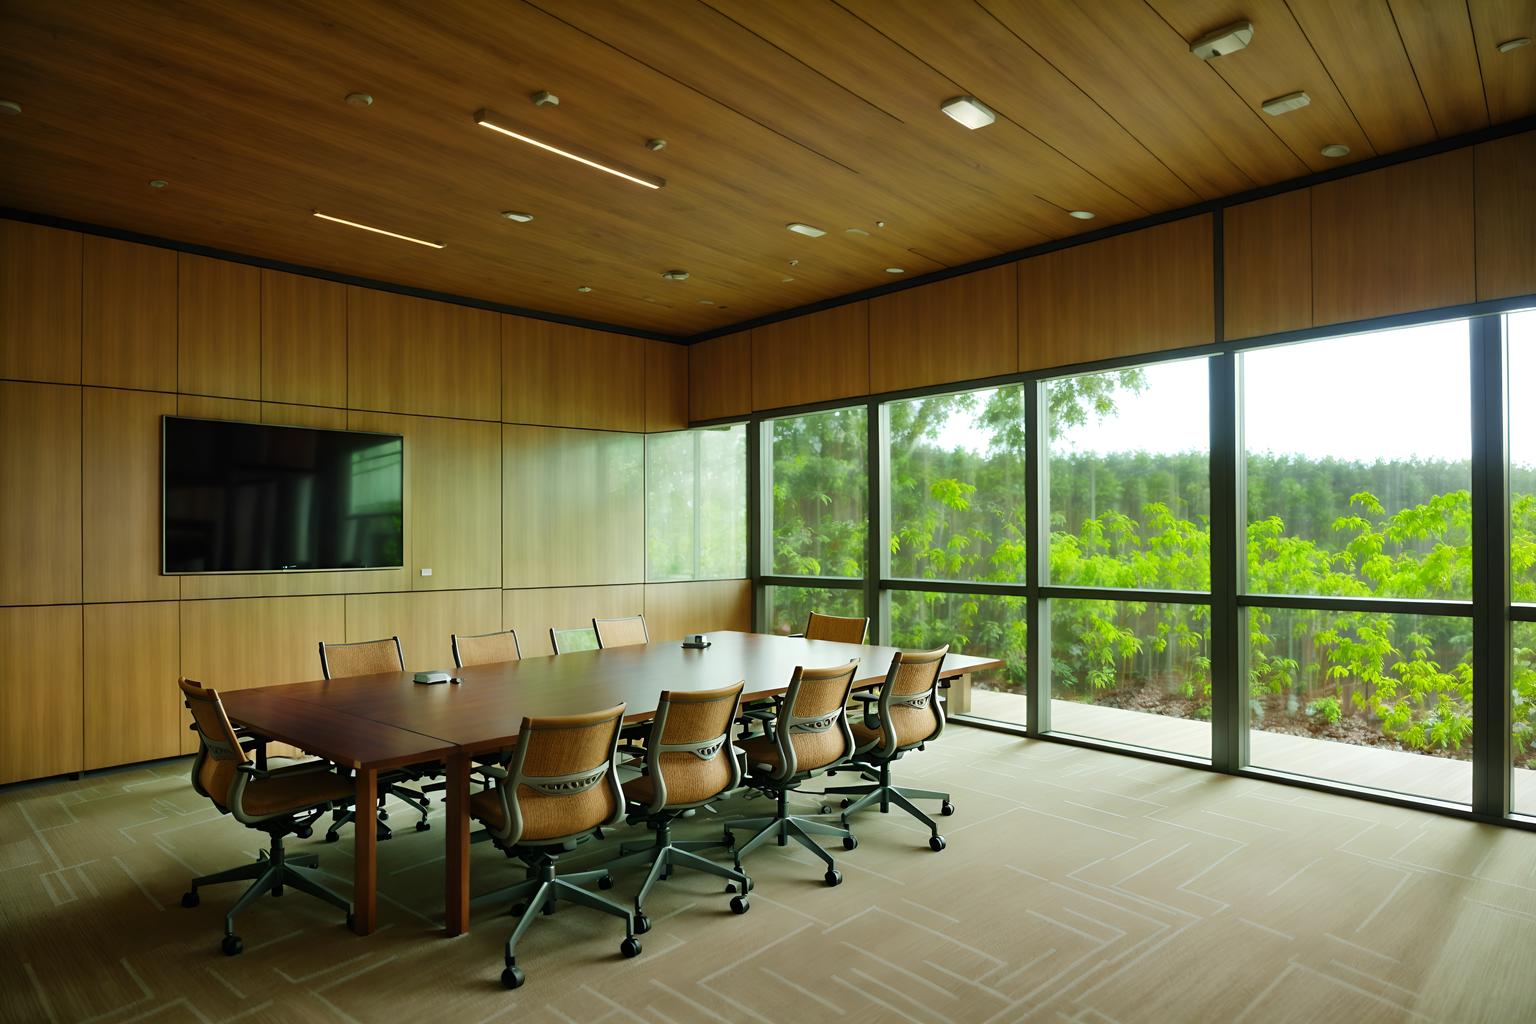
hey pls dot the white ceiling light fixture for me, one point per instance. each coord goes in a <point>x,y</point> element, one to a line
<point>359,99</point>
<point>1335,150</point>
<point>10,107</point>
<point>1223,41</point>
<point>969,111</point>
<point>158,183</point>
<point>1514,44</point>
<point>1285,104</point>
<point>545,98</point>
<point>378,231</point>
<point>895,270</point>
<point>584,288</point>
<point>674,275</point>
<point>808,230</point>
<point>521,218</point>
<point>1081,214</point>
<point>706,302</point>
<point>497,123</point>
<point>856,232</point>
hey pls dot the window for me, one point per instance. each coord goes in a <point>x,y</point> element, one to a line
<point>695,504</point>
<point>1520,329</point>
<point>786,609</point>
<point>817,494</point>
<point>993,625</point>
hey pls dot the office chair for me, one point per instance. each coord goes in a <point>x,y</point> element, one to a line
<point>626,632</point>
<point>689,763</point>
<point>568,641</point>
<point>810,736</point>
<point>840,628</point>
<point>366,658</point>
<point>280,803</point>
<point>907,715</point>
<point>485,648</point>
<point>559,788</point>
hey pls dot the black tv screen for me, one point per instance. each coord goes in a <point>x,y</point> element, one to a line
<point>251,497</point>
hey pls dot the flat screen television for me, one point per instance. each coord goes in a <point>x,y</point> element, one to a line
<point>253,497</point>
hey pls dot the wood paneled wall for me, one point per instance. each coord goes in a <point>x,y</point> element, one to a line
<point>100,338</point>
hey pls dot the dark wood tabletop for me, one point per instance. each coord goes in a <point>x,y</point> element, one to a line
<point>339,736</point>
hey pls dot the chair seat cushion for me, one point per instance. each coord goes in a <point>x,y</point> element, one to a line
<point>639,791</point>
<point>294,789</point>
<point>865,737</point>
<point>762,754</point>
<point>545,817</point>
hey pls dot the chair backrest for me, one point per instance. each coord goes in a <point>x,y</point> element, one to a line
<point>486,648</point>
<point>812,731</point>
<point>840,628</point>
<point>219,753</point>
<point>688,754</point>
<point>626,632</point>
<point>566,641</point>
<point>910,712</point>
<point>364,658</point>
<point>563,779</point>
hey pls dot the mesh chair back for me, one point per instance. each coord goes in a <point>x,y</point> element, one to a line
<point>839,628</point>
<point>219,752</point>
<point>486,648</point>
<point>812,731</point>
<point>563,779</point>
<point>364,658</point>
<point>626,632</point>
<point>910,712</point>
<point>688,755</point>
<point>566,641</point>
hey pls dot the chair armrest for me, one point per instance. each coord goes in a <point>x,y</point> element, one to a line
<point>867,696</point>
<point>496,772</point>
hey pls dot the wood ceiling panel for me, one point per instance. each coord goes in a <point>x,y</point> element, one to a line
<point>1359,43</point>
<point>1140,70</point>
<point>1509,79</point>
<point>1279,61</point>
<point>970,48</point>
<point>1438,39</point>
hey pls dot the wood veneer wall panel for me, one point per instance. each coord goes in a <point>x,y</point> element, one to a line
<point>965,328</point>
<point>534,612</point>
<point>218,311</point>
<point>40,554</point>
<point>303,340</point>
<point>720,377</point>
<point>1506,216</point>
<point>455,479</point>
<point>40,272</point>
<point>666,386</point>
<point>673,610</point>
<point>128,326</point>
<point>132,708</point>
<point>423,621</point>
<point>1396,240</point>
<point>573,510</point>
<point>1267,265</point>
<point>813,358</point>
<point>412,355</point>
<point>40,692</point>
<point>565,376</point>
<point>120,492</point>
<point>1145,291</point>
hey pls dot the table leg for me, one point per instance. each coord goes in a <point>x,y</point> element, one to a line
<point>365,870</point>
<point>456,877</point>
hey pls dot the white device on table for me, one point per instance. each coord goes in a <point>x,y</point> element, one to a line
<point>697,641</point>
<point>434,677</point>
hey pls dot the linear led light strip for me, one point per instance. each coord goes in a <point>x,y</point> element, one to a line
<point>496,123</point>
<point>378,231</point>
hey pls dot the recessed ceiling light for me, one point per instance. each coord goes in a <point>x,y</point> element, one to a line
<point>359,99</point>
<point>1514,44</point>
<point>805,229</point>
<point>12,107</point>
<point>521,218</point>
<point>969,111</point>
<point>1285,104</point>
<point>497,123</point>
<point>584,288</point>
<point>856,232</point>
<point>544,98</point>
<point>706,302</point>
<point>895,270</point>
<point>879,223</point>
<point>1081,214</point>
<point>1335,150</point>
<point>675,275</point>
<point>158,183</point>
<point>1223,41</point>
<point>655,145</point>
<point>378,231</point>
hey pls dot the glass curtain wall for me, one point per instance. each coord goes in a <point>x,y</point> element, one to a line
<point>1520,329</point>
<point>695,504</point>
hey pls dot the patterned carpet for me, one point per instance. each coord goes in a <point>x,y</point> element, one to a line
<point>1078,886</point>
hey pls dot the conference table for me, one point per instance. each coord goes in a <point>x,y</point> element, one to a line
<point>375,723</point>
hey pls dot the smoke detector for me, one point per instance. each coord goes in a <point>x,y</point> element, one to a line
<point>1223,41</point>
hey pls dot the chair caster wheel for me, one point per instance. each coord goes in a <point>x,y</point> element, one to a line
<point>305,833</point>
<point>332,837</point>
<point>383,815</point>
<point>642,924</point>
<point>833,877</point>
<point>351,921</point>
<point>519,909</point>
<point>937,843</point>
<point>730,839</point>
<point>845,803</point>
<point>190,899</point>
<point>630,947</point>
<point>825,809</point>
<point>423,826</point>
<point>740,905</point>
<point>606,882</point>
<point>549,908</point>
<point>946,808</point>
<point>850,842</point>
<point>513,977</point>
<point>232,946</point>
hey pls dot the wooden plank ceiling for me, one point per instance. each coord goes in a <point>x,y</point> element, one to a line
<point>790,110</point>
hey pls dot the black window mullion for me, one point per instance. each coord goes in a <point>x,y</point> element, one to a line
<point>1229,704</point>
<point>1037,644</point>
<point>878,506</point>
<point>755,515</point>
<point>1490,571</point>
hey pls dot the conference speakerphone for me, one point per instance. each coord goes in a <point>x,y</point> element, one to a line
<point>430,678</point>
